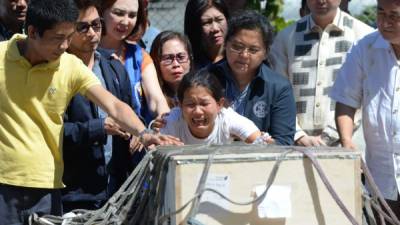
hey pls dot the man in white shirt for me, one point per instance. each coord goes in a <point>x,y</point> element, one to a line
<point>309,53</point>
<point>370,78</point>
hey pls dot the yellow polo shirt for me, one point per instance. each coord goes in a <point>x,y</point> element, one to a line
<point>33,100</point>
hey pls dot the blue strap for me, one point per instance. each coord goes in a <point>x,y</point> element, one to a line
<point>133,64</point>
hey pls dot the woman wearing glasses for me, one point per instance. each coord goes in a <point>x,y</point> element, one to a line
<point>125,22</point>
<point>172,55</point>
<point>251,87</point>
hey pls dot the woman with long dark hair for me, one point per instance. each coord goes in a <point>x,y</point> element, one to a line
<point>206,25</point>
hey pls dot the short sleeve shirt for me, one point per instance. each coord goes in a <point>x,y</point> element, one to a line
<point>370,78</point>
<point>228,123</point>
<point>33,100</point>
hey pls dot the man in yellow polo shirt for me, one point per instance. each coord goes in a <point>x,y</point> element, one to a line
<point>37,80</point>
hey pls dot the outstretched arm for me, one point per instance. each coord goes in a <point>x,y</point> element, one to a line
<point>125,117</point>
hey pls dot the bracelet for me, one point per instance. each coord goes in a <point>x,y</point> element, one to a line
<point>151,124</point>
<point>143,132</point>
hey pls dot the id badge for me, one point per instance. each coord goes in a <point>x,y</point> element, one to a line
<point>396,163</point>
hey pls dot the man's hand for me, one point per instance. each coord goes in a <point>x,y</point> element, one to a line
<point>135,145</point>
<point>149,139</point>
<point>112,128</point>
<point>348,143</point>
<point>309,141</point>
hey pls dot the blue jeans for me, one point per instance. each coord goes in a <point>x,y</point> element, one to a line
<point>17,203</point>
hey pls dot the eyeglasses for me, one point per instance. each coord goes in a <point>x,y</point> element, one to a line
<point>168,59</point>
<point>83,27</point>
<point>240,49</point>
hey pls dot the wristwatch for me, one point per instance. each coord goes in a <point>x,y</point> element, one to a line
<point>143,132</point>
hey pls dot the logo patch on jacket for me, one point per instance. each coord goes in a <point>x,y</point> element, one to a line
<point>260,109</point>
<point>52,91</point>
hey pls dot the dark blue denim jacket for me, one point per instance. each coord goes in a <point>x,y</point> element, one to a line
<point>85,173</point>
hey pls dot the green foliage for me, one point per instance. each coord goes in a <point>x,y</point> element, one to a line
<point>368,15</point>
<point>272,11</point>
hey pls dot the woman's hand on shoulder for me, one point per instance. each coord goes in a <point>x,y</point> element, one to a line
<point>153,139</point>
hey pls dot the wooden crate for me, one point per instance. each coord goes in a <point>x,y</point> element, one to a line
<point>297,196</point>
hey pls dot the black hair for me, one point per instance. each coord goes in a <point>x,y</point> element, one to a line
<point>304,4</point>
<point>156,54</point>
<point>194,11</point>
<point>45,14</point>
<point>203,78</point>
<point>251,20</point>
<point>85,4</point>
<point>3,9</point>
<point>304,10</point>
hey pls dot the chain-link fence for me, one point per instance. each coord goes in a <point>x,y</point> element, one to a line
<point>167,14</point>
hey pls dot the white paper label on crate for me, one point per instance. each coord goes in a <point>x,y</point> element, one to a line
<point>220,183</point>
<point>276,204</point>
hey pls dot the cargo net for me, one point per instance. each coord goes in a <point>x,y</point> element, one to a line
<point>140,200</point>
